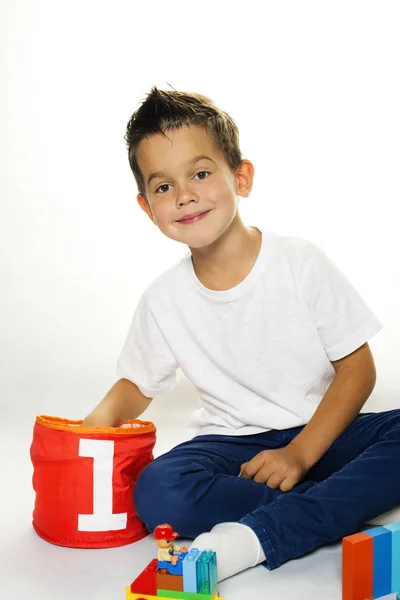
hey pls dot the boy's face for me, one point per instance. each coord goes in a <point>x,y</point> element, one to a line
<point>183,187</point>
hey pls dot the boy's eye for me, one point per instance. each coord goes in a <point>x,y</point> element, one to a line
<point>202,172</point>
<point>167,184</point>
<point>161,186</point>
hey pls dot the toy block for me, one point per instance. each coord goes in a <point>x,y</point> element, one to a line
<point>189,570</point>
<point>131,596</point>
<point>213,573</point>
<point>165,581</point>
<point>176,569</point>
<point>357,565</point>
<point>146,596</point>
<point>206,572</point>
<point>146,583</point>
<point>395,530</point>
<point>171,595</point>
<point>382,561</point>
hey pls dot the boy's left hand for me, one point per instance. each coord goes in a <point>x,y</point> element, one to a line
<point>281,468</point>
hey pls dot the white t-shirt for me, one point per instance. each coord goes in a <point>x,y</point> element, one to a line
<point>259,353</point>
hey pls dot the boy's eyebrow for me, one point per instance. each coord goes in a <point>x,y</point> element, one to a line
<point>194,160</point>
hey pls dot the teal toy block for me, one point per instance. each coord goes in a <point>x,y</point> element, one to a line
<point>206,571</point>
<point>395,529</point>
<point>382,561</point>
<point>213,574</point>
<point>189,570</point>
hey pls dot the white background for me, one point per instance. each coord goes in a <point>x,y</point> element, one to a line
<point>314,88</point>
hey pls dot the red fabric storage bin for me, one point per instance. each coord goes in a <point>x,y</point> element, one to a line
<point>84,479</point>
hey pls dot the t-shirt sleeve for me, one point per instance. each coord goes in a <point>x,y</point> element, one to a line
<point>146,358</point>
<point>342,318</point>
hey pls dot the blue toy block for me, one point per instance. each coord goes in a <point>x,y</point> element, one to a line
<point>206,572</point>
<point>382,561</point>
<point>189,571</point>
<point>173,569</point>
<point>395,529</point>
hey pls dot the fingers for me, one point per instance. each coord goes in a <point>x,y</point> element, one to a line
<point>250,469</point>
<point>273,478</point>
<point>274,481</point>
<point>276,468</point>
<point>242,468</point>
<point>287,484</point>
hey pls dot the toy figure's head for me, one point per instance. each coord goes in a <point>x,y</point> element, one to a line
<point>164,535</point>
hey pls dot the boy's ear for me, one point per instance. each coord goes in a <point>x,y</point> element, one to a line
<point>244,178</point>
<point>144,205</point>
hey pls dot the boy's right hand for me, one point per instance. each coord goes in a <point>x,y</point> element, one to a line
<point>123,402</point>
<point>99,419</point>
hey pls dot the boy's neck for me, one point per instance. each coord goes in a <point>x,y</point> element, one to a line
<point>230,260</point>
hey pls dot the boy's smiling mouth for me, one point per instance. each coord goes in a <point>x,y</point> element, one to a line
<point>197,216</point>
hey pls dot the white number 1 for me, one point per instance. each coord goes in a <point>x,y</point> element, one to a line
<point>102,519</point>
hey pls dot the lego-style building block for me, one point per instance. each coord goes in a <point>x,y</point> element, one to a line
<point>189,571</point>
<point>206,571</point>
<point>146,582</point>
<point>145,596</point>
<point>186,595</point>
<point>357,553</point>
<point>165,581</point>
<point>394,528</point>
<point>382,561</point>
<point>371,562</point>
<point>176,569</point>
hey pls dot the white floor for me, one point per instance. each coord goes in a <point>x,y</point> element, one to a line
<point>32,568</point>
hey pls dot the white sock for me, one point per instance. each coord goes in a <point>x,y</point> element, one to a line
<point>237,548</point>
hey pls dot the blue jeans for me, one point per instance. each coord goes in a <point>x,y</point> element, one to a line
<point>195,485</point>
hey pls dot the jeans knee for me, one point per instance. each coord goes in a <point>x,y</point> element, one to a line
<point>159,496</point>
<point>145,490</point>
<point>392,425</point>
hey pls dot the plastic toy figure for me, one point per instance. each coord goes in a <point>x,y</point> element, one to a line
<point>168,552</point>
<point>176,573</point>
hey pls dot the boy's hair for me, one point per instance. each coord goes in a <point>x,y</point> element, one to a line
<point>164,110</point>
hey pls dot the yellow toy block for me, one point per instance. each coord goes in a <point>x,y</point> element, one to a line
<point>130,596</point>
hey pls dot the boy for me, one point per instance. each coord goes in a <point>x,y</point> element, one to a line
<point>274,338</point>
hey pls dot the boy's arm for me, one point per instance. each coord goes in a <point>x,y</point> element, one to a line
<point>353,384</point>
<point>123,402</point>
<point>284,467</point>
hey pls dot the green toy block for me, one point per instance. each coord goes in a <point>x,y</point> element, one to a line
<point>184,595</point>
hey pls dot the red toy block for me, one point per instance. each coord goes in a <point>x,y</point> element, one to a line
<point>146,582</point>
<point>357,567</point>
